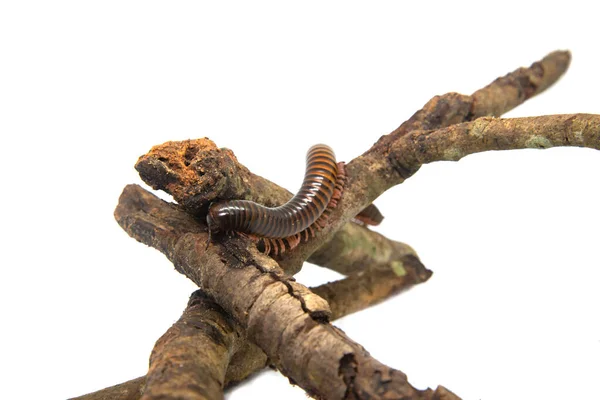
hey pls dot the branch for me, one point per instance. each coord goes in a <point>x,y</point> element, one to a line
<point>369,287</point>
<point>190,360</point>
<point>389,162</point>
<point>282,317</point>
<point>355,248</point>
<point>130,390</point>
<point>345,296</point>
<point>196,172</point>
<point>269,307</point>
<point>497,98</point>
<point>455,142</point>
<point>373,173</point>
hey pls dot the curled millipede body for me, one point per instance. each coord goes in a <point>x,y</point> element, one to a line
<point>286,225</point>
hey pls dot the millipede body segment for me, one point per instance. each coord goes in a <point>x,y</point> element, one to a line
<point>320,189</point>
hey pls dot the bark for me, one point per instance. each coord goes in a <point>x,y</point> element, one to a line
<point>485,134</point>
<point>190,360</point>
<point>130,390</point>
<point>355,248</point>
<point>497,98</point>
<point>377,170</point>
<point>196,172</point>
<point>372,285</point>
<point>282,317</point>
<point>287,321</point>
<point>345,296</point>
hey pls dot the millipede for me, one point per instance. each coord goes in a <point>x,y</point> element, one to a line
<point>282,227</point>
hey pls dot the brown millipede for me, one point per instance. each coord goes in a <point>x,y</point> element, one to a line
<point>284,226</point>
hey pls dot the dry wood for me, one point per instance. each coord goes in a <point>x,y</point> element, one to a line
<point>344,297</point>
<point>190,360</point>
<point>196,172</point>
<point>285,319</point>
<point>288,322</point>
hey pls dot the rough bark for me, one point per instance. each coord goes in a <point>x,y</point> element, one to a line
<point>345,296</point>
<point>196,172</point>
<point>190,360</point>
<point>372,285</point>
<point>286,320</point>
<point>359,248</point>
<point>496,99</point>
<point>485,134</point>
<point>282,317</point>
<point>130,390</point>
<point>376,171</point>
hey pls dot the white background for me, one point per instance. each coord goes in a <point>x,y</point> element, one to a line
<point>86,87</point>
